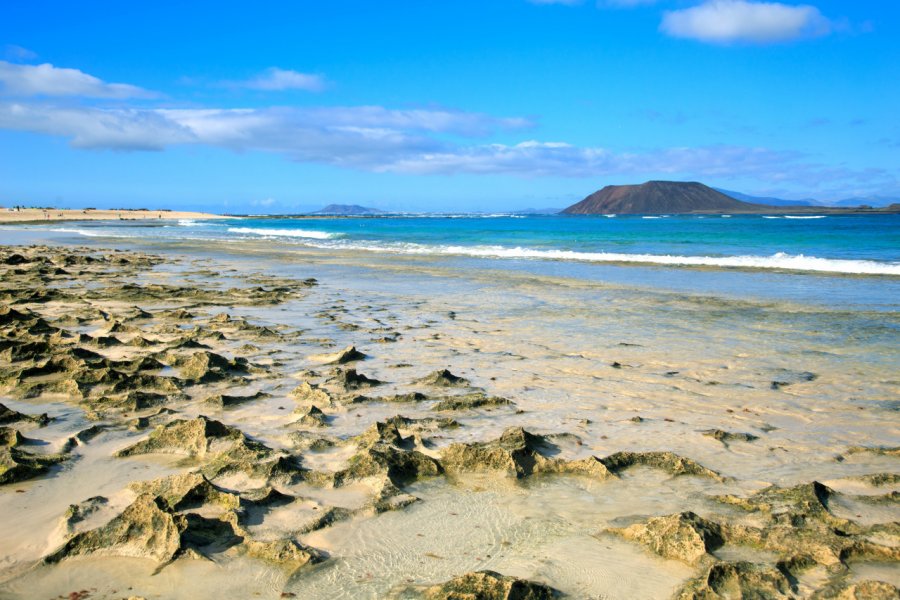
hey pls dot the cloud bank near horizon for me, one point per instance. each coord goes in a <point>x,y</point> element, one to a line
<point>51,101</point>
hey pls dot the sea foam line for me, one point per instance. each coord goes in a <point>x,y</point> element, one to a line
<point>301,233</point>
<point>780,260</point>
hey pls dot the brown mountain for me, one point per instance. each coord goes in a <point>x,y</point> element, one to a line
<point>660,197</point>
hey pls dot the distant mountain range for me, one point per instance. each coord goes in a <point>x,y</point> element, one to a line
<point>767,200</point>
<point>874,201</point>
<point>348,209</point>
<point>680,197</point>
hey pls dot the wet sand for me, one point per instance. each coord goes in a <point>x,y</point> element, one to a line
<point>227,423</point>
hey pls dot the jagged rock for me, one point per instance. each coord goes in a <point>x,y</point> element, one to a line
<point>880,479</point>
<point>516,452</point>
<point>76,513</point>
<point>226,400</point>
<point>314,417</point>
<point>192,437</point>
<point>728,580</point>
<point>381,432</point>
<point>791,377</point>
<point>665,461</point>
<point>471,401</point>
<point>142,530</point>
<point>729,436</point>
<point>443,378</point>
<point>395,398</point>
<point>9,416</point>
<point>797,504</point>
<point>348,380</point>
<point>489,585</point>
<point>863,590</point>
<point>206,367</point>
<point>285,553</point>
<point>132,400</point>
<point>401,466</point>
<point>877,450</point>
<point>683,536</point>
<point>423,424</point>
<point>18,465</point>
<point>188,490</point>
<point>348,354</point>
<point>11,437</point>
<point>308,392</point>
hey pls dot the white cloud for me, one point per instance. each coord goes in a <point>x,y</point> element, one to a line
<point>415,142</point>
<point>47,80</point>
<point>725,21</point>
<point>275,79</point>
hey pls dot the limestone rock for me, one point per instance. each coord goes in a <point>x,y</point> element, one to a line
<point>665,461</point>
<point>192,437</point>
<point>443,378</point>
<point>348,354</point>
<point>489,585</point>
<point>470,401</point>
<point>729,580</point>
<point>142,530</point>
<point>683,536</point>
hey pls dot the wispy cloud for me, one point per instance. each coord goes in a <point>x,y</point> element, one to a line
<point>414,142</point>
<point>729,21</point>
<point>47,80</point>
<point>18,53</point>
<point>274,79</point>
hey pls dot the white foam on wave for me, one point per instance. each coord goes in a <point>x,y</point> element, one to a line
<point>780,260</point>
<point>297,233</point>
<point>187,222</point>
<point>79,232</point>
<point>805,217</point>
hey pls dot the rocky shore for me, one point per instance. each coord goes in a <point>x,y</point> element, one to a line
<point>221,434</point>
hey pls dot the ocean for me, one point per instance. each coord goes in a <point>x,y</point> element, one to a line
<point>848,260</point>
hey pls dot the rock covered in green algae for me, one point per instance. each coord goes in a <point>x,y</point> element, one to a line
<point>311,393</point>
<point>18,465</point>
<point>863,590</point>
<point>348,354</point>
<point>400,466</point>
<point>192,437</point>
<point>9,416</point>
<point>188,490</point>
<point>470,401</point>
<point>348,380</point>
<point>489,585</point>
<point>737,580</point>
<point>665,461</point>
<point>143,530</point>
<point>443,378</point>
<point>314,417</point>
<point>730,436</point>
<point>226,400</point>
<point>684,536</point>
<point>207,367</point>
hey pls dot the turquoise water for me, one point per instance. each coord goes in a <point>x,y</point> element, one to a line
<point>852,244</point>
<point>851,260</point>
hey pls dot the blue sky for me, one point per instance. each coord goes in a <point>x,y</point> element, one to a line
<point>457,105</point>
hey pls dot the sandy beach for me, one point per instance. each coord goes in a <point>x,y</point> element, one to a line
<point>37,215</point>
<point>295,424</point>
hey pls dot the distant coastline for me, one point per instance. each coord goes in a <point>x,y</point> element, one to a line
<point>45,215</point>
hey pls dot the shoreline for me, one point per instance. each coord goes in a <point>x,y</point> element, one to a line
<point>558,430</point>
<point>11,216</point>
